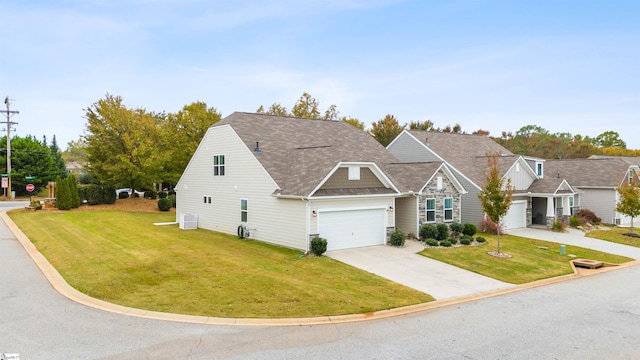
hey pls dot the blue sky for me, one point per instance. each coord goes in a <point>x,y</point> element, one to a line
<point>568,66</point>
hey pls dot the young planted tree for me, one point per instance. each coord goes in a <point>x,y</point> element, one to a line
<point>496,194</point>
<point>629,203</point>
<point>386,129</point>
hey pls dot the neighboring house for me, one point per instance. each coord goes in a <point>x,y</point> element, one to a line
<point>74,167</point>
<point>596,182</point>
<point>631,160</point>
<point>430,194</point>
<point>537,198</point>
<point>286,180</point>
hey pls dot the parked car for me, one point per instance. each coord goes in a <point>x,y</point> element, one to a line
<point>128,190</point>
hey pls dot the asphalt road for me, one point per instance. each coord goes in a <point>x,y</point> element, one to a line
<point>589,318</point>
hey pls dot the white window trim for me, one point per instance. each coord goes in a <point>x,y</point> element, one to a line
<point>427,210</point>
<point>540,169</point>
<point>244,211</point>
<point>219,166</point>
<point>354,172</point>
<point>444,209</point>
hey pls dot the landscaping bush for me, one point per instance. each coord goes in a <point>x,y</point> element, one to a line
<point>453,241</point>
<point>469,229</point>
<point>490,227</point>
<point>84,179</point>
<point>465,241</point>
<point>171,192</point>
<point>397,238</point>
<point>36,205</point>
<point>428,231</point>
<point>575,221</point>
<point>443,231</point>
<point>162,194</point>
<point>108,194</point>
<point>456,228</point>
<point>480,239</point>
<point>588,216</point>
<point>123,195</point>
<point>431,242</point>
<point>173,199</point>
<point>150,194</point>
<point>559,226</point>
<point>318,246</point>
<point>466,237</point>
<point>164,204</point>
<point>445,243</point>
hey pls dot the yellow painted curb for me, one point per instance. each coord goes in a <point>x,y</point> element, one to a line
<point>60,285</point>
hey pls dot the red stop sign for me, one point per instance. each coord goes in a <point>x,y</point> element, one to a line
<point>30,187</point>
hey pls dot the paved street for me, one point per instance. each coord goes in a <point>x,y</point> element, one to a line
<point>587,318</point>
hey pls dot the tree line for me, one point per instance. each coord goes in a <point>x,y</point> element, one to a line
<point>140,149</point>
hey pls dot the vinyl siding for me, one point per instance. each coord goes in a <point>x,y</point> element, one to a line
<point>520,180</point>
<point>340,180</point>
<point>407,149</point>
<point>601,201</point>
<point>406,215</point>
<point>270,219</point>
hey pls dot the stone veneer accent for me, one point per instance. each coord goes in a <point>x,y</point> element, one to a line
<point>431,191</point>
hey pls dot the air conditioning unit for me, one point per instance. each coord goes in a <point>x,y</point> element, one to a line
<point>188,221</point>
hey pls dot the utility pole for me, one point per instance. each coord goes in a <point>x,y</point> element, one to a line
<point>8,124</point>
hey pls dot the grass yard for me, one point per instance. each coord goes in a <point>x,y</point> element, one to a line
<point>615,235</point>
<point>529,262</point>
<point>121,257</point>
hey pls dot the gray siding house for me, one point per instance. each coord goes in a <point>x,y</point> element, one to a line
<point>466,156</point>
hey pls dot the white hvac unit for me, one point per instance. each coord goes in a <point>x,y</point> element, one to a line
<point>188,221</point>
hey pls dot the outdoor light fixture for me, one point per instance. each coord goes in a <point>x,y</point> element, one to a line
<point>314,213</point>
<point>390,208</point>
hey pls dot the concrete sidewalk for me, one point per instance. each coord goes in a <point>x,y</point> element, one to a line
<point>577,238</point>
<point>404,266</point>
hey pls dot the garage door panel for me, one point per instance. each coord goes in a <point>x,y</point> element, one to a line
<point>516,216</point>
<point>354,228</point>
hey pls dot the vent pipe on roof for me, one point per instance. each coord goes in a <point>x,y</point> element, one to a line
<point>257,148</point>
<point>426,141</point>
<point>558,175</point>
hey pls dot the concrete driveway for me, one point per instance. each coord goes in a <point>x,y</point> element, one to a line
<point>577,237</point>
<point>404,266</point>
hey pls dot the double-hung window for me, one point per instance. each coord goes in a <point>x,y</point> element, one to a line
<point>244,212</point>
<point>218,165</point>
<point>430,209</point>
<point>448,209</point>
<point>571,205</point>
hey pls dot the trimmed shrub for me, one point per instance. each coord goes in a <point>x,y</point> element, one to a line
<point>171,192</point>
<point>443,231</point>
<point>162,194</point>
<point>123,195</point>
<point>456,228</point>
<point>397,238</point>
<point>164,204</point>
<point>428,231</point>
<point>466,237</point>
<point>173,199</point>
<point>150,194</point>
<point>64,200</point>
<point>318,246</point>
<point>445,243</point>
<point>465,241</point>
<point>480,239</point>
<point>108,195</point>
<point>453,241</point>
<point>73,189</point>
<point>431,242</point>
<point>469,229</point>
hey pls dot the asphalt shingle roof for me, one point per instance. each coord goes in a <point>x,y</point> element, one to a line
<point>298,153</point>
<point>607,172</point>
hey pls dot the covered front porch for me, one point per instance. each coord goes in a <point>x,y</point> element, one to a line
<point>550,200</point>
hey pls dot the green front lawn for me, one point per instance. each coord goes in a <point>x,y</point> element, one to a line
<point>529,262</point>
<point>615,235</point>
<point>121,257</point>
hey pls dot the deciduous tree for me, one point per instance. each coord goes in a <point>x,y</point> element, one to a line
<point>386,129</point>
<point>353,121</point>
<point>629,199</point>
<point>496,194</point>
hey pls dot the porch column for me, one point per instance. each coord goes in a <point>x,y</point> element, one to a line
<point>550,208</point>
<point>566,211</point>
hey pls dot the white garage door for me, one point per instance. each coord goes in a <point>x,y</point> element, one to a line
<point>354,228</point>
<point>516,216</point>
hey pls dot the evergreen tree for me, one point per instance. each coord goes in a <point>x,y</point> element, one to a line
<point>58,162</point>
<point>63,194</point>
<point>73,187</point>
